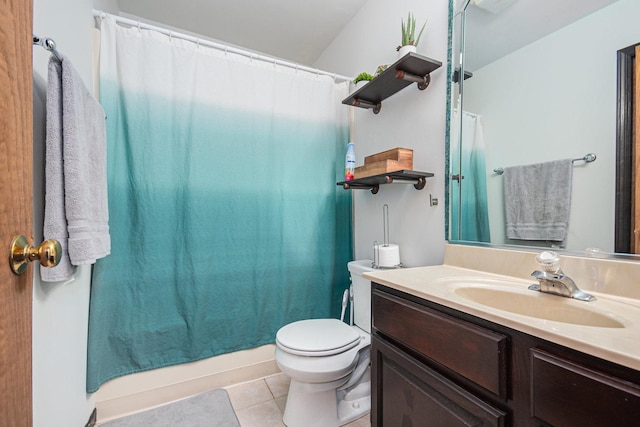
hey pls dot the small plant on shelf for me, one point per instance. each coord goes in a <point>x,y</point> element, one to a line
<point>362,77</point>
<point>409,32</point>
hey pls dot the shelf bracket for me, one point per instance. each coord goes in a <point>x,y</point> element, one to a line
<point>373,183</point>
<point>422,81</point>
<point>420,184</point>
<point>374,188</point>
<point>366,104</point>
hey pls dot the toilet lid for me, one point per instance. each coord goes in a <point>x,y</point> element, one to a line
<point>317,337</point>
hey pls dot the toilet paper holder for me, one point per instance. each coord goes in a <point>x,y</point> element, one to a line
<point>392,252</point>
<point>376,258</point>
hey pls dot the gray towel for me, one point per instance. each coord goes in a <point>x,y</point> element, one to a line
<point>76,205</point>
<point>538,200</point>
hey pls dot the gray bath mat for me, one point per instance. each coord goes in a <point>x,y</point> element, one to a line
<point>209,409</point>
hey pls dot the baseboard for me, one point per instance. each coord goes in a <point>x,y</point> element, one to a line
<point>91,422</point>
<point>147,390</point>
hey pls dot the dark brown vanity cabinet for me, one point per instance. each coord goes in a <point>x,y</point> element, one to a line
<point>434,366</point>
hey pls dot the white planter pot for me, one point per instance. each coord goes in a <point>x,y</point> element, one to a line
<point>406,49</point>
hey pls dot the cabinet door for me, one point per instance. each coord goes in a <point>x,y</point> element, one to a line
<point>565,393</point>
<point>407,393</point>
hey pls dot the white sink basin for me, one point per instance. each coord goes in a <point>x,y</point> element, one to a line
<point>607,328</point>
<point>539,305</point>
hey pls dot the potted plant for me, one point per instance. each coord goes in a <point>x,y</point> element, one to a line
<point>409,39</point>
<point>362,79</point>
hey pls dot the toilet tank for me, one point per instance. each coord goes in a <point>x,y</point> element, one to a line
<point>361,293</point>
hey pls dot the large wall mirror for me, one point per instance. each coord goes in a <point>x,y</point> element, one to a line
<point>541,79</point>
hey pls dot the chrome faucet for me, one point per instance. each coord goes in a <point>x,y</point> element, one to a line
<point>554,281</point>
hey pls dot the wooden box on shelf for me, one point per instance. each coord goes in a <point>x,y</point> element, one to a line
<point>387,161</point>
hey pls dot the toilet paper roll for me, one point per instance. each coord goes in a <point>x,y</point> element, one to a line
<point>388,256</point>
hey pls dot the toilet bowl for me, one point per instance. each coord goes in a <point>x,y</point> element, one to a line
<point>328,362</point>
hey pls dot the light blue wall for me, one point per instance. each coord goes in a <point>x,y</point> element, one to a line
<point>60,311</point>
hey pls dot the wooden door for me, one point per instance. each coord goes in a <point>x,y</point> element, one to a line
<point>16,204</point>
<point>627,211</point>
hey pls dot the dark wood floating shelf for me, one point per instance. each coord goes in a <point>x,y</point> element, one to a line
<point>419,180</point>
<point>456,75</point>
<point>409,69</point>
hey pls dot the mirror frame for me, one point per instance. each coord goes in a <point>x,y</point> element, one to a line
<point>624,149</point>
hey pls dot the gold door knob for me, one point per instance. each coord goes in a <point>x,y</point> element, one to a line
<point>22,253</point>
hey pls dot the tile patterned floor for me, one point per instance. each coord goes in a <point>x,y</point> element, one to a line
<point>261,403</point>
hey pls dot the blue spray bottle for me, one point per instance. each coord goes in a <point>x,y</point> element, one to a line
<point>350,162</point>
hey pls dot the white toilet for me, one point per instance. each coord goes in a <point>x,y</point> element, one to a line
<point>328,362</point>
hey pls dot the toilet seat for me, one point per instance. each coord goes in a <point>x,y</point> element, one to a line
<point>333,371</point>
<point>317,337</point>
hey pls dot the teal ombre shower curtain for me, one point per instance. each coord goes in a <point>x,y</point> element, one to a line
<point>226,219</point>
<point>469,207</point>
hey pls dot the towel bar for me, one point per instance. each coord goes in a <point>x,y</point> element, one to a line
<point>47,44</point>
<point>588,158</point>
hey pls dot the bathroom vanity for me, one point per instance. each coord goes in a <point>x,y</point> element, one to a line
<point>439,358</point>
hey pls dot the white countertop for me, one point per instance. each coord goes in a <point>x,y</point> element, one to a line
<point>438,284</point>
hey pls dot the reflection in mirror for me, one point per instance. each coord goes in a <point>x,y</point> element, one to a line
<point>543,89</point>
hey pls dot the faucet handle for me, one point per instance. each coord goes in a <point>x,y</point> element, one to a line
<point>549,261</point>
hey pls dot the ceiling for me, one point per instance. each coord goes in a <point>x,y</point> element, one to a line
<point>491,36</point>
<point>300,31</point>
<point>296,30</point>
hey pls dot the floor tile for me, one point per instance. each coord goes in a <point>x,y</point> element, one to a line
<point>265,414</point>
<point>261,403</point>
<point>360,422</point>
<point>281,402</point>
<point>249,394</point>
<point>278,384</point>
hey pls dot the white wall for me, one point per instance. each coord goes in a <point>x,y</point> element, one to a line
<point>60,311</point>
<point>556,99</point>
<point>410,119</point>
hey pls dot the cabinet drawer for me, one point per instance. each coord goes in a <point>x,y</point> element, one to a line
<point>409,393</point>
<point>474,352</point>
<point>564,393</point>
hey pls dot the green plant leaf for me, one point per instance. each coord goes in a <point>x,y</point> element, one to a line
<point>404,32</point>
<point>409,31</point>
<point>420,34</point>
<point>362,76</point>
<point>412,33</point>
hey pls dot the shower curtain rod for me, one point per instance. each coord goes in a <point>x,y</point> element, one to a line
<point>253,55</point>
